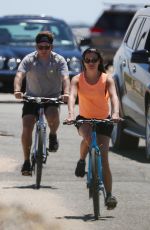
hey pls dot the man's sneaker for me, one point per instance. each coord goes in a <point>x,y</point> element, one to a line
<point>80,169</point>
<point>53,143</point>
<point>26,169</point>
<point>110,202</point>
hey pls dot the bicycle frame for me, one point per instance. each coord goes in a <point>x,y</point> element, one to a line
<point>40,125</point>
<point>98,152</point>
<point>94,175</point>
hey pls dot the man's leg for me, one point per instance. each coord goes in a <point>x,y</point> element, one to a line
<point>28,122</point>
<point>52,116</point>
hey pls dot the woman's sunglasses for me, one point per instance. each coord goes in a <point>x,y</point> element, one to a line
<point>92,60</point>
<point>43,47</point>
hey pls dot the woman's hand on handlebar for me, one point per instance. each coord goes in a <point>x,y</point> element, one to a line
<point>116,118</point>
<point>69,120</point>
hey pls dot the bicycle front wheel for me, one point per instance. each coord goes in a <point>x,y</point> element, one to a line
<point>39,159</point>
<point>95,184</point>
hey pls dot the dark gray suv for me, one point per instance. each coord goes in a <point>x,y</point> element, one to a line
<point>109,29</point>
<point>132,78</point>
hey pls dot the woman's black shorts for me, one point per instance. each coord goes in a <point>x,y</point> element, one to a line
<point>101,128</point>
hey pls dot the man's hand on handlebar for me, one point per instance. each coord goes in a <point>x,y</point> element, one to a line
<point>65,97</point>
<point>18,94</point>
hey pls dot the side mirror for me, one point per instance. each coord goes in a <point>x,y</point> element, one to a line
<point>140,56</point>
<point>85,42</point>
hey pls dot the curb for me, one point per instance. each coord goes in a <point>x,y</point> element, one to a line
<point>8,99</point>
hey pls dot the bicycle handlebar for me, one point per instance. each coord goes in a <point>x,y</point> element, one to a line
<point>89,121</point>
<point>41,100</point>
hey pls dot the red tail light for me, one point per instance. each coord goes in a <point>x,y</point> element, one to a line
<point>96,30</point>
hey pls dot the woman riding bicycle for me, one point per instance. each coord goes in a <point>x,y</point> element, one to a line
<point>94,89</point>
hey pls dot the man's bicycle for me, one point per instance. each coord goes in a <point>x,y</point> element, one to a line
<point>39,150</point>
<point>94,175</point>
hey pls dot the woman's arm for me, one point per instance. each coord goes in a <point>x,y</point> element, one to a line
<point>72,97</point>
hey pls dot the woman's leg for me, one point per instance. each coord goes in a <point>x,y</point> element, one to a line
<point>84,131</point>
<point>103,142</point>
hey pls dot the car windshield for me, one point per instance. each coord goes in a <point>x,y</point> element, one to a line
<point>23,32</point>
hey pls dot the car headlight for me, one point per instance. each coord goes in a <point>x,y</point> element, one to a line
<point>74,64</point>
<point>2,60</point>
<point>12,63</point>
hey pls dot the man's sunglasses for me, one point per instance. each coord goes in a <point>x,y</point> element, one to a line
<point>43,47</point>
<point>92,60</point>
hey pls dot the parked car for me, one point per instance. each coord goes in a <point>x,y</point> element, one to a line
<point>80,30</point>
<point>108,31</point>
<point>17,35</point>
<point>132,78</point>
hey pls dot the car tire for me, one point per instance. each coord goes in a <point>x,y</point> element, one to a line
<point>147,139</point>
<point>121,140</point>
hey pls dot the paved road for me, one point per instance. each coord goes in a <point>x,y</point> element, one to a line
<point>62,202</point>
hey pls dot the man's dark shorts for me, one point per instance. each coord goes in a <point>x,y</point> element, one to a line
<point>102,128</point>
<point>32,108</point>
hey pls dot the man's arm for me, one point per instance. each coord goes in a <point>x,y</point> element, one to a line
<point>18,84</point>
<point>66,88</point>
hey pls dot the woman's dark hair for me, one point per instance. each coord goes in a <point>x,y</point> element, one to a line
<point>101,67</point>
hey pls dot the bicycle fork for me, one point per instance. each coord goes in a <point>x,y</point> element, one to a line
<point>39,128</point>
<point>99,166</point>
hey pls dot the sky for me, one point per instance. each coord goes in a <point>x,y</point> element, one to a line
<point>72,11</point>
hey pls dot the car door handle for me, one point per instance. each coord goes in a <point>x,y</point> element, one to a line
<point>124,63</point>
<point>134,69</point>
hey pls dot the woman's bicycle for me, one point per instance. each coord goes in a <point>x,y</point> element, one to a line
<point>39,150</point>
<point>94,175</point>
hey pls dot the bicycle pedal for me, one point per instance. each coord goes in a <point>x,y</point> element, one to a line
<point>44,161</point>
<point>47,151</point>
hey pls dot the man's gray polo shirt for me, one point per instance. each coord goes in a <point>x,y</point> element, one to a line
<point>44,78</point>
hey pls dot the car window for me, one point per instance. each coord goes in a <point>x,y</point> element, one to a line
<point>117,21</point>
<point>132,35</point>
<point>16,32</point>
<point>143,41</point>
<point>62,34</point>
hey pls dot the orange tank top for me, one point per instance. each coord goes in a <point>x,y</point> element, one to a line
<point>93,99</point>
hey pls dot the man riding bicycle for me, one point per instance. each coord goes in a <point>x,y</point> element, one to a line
<point>46,74</point>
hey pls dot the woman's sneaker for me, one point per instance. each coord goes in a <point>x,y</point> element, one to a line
<point>26,168</point>
<point>110,202</point>
<point>80,169</point>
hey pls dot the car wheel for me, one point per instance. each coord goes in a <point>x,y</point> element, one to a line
<point>121,140</point>
<point>148,132</point>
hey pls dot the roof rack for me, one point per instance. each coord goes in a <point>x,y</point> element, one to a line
<point>123,6</point>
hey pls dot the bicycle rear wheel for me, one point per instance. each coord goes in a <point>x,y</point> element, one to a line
<point>39,159</point>
<point>95,184</point>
